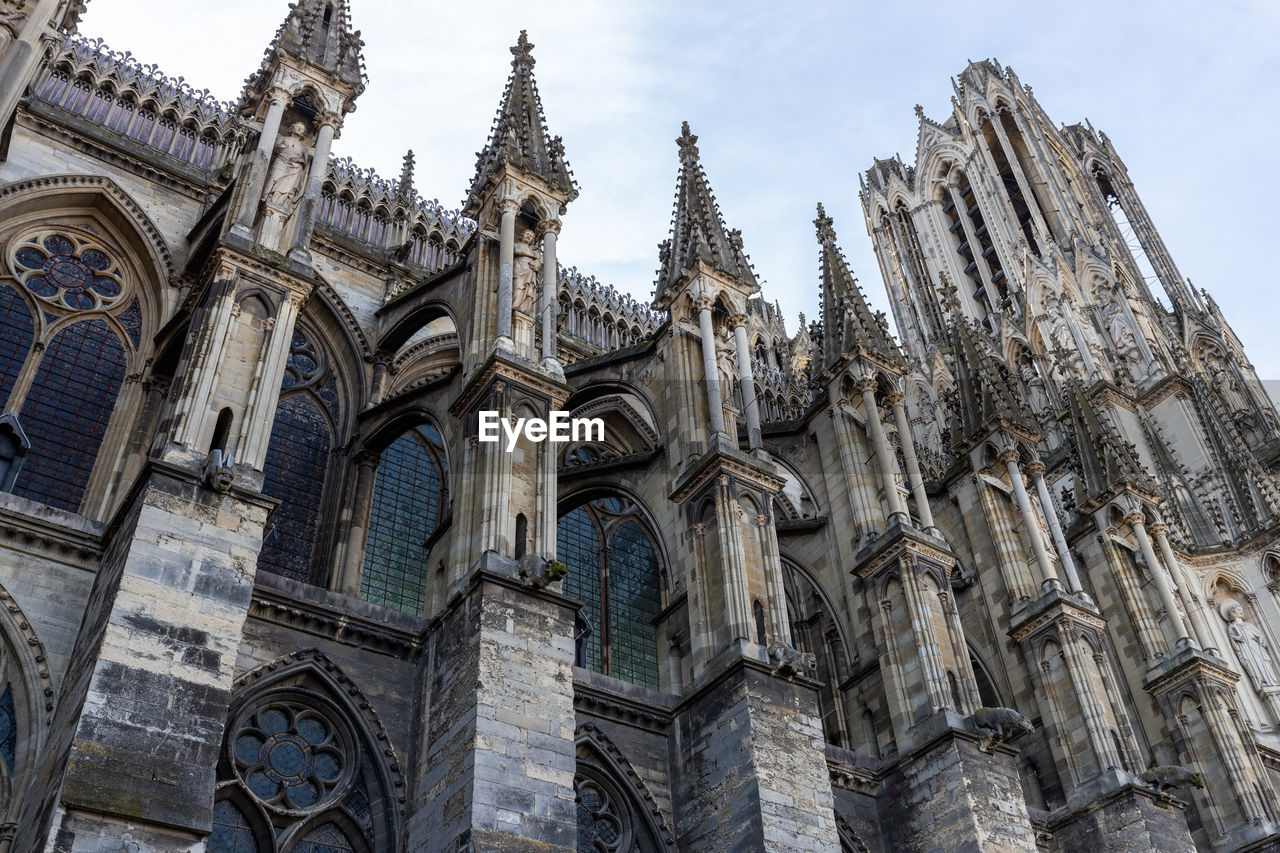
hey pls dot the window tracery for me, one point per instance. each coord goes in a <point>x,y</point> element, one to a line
<point>613,571</point>
<point>297,775</point>
<point>297,461</point>
<point>66,269</point>
<point>410,494</point>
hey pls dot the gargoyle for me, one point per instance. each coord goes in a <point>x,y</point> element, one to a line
<point>999,725</point>
<point>538,571</point>
<point>1170,777</point>
<point>217,473</point>
<point>788,660</point>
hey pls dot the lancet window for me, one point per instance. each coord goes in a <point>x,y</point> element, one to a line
<point>70,321</point>
<point>410,495</point>
<point>614,572</point>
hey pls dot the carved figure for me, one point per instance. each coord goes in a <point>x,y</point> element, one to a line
<point>524,274</point>
<point>217,473</point>
<point>284,179</point>
<point>726,364</point>
<point>1000,723</point>
<point>1170,777</point>
<point>1039,397</point>
<point>1251,648</point>
<point>1227,387</point>
<point>788,660</point>
<point>1121,332</point>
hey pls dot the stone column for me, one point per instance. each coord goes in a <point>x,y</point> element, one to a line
<point>750,403</point>
<point>506,271</point>
<point>1192,601</point>
<point>256,174</point>
<point>550,298</point>
<point>884,454</point>
<point>709,364</point>
<point>1036,469</point>
<point>1030,525</point>
<point>361,504</point>
<point>315,181</point>
<point>898,403</point>
<point>23,55</point>
<point>1164,584</point>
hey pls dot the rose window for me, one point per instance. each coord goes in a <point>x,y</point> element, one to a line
<point>291,756</point>
<point>64,269</point>
<point>600,828</point>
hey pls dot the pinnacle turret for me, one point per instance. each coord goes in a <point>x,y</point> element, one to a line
<point>698,231</point>
<point>1108,463</point>
<point>319,33</point>
<point>519,137</point>
<point>847,320</point>
<point>404,189</point>
<point>987,398</point>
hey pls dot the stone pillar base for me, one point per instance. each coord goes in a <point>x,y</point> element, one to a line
<point>947,794</point>
<point>754,774</point>
<point>1130,818</point>
<point>497,751</point>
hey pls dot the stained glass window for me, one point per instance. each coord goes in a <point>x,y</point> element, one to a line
<point>8,728</point>
<point>408,502</point>
<point>16,333</point>
<point>66,412</point>
<point>613,571</point>
<point>325,839</point>
<point>297,458</point>
<point>231,832</point>
<point>65,270</point>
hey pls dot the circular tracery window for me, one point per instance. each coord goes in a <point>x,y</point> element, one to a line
<point>292,755</point>
<point>65,269</point>
<point>600,828</point>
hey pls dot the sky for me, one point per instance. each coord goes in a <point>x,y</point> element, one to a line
<point>791,101</point>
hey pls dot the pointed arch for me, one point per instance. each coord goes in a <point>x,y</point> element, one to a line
<point>351,781</point>
<point>602,764</point>
<point>26,704</point>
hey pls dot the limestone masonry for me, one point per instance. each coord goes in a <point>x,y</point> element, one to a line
<point>1007,583</point>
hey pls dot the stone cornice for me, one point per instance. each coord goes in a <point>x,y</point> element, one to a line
<point>1189,665</point>
<point>34,528</point>
<point>498,368</point>
<point>1054,608</point>
<point>718,462</point>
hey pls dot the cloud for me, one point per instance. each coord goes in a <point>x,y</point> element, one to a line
<point>791,101</point>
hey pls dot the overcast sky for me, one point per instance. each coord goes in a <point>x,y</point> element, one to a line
<point>790,102</point>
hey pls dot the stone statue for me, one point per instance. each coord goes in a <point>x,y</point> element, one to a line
<point>726,365</point>
<point>284,179</point>
<point>1170,777</point>
<point>1251,648</point>
<point>524,275</point>
<point>1121,333</point>
<point>1038,396</point>
<point>1227,387</point>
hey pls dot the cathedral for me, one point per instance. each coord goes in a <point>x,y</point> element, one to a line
<point>1008,581</point>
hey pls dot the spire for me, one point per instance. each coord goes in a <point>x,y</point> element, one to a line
<point>519,137</point>
<point>847,320</point>
<point>1108,463</point>
<point>987,399</point>
<point>404,189</point>
<point>698,232</point>
<point>318,33</point>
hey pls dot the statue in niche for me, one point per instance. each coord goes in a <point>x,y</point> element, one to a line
<point>1038,396</point>
<point>1251,648</point>
<point>726,365</point>
<point>524,274</point>
<point>288,165</point>
<point>1228,387</point>
<point>1122,336</point>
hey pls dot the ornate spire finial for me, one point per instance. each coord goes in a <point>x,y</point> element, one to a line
<point>688,144</point>
<point>522,51</point>
<point>405,188</point>
<point>948,291</point>
<point>919,112</point>
<point>825,225</point>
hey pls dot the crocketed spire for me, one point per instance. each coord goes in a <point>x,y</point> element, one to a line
<point>318,32</point>
<point>519,137</point>
<point>849,324</point>
<point>987,400</point>
<point>698,232</point>
<point>1108,463</point>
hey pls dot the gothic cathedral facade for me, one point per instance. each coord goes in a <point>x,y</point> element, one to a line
<point>1010,581</point>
